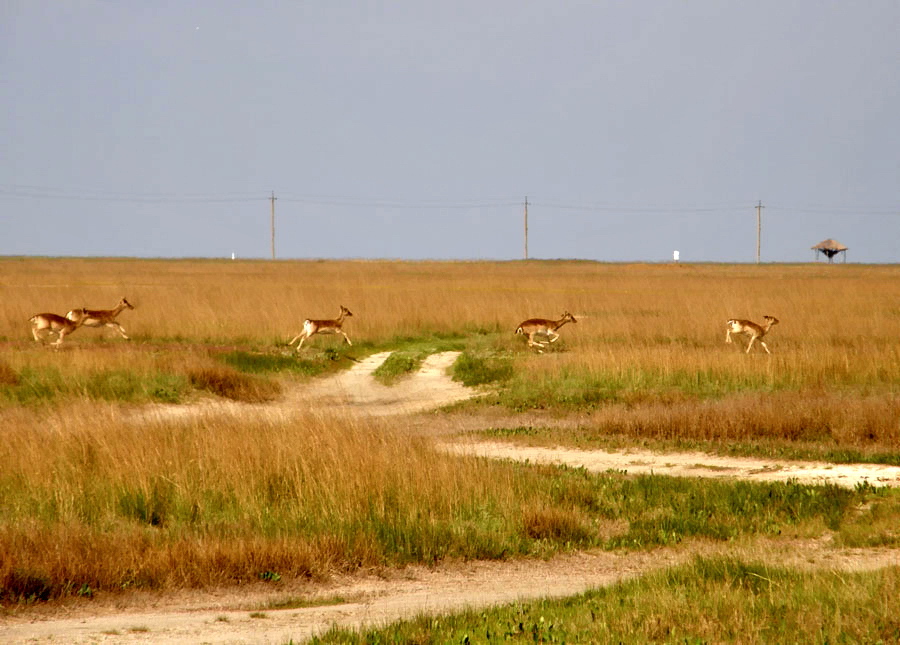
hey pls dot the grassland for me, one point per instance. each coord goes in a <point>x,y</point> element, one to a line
<point>646,361</point>
<point>93,504</point>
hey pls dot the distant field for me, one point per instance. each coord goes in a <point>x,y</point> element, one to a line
<point>828,312</point>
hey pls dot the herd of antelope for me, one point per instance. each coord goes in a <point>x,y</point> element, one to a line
<point>62,326</point>
<point>544,328</point>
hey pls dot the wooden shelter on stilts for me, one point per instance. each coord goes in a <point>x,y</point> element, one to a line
<point>829,248</point>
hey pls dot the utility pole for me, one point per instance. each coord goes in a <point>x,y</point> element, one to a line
<point>759,208</point>
<point>273,224</point>
<point>526,227</point>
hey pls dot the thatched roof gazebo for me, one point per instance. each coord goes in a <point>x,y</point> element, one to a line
<point>830,248</point>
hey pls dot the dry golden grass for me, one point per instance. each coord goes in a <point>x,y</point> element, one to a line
<point>90,499</point>
<point>642,329</point>
<point>93,502</point>
<point>845,307</point>
<point>647,336</point>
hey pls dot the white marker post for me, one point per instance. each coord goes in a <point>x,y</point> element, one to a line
<point>675,257</point>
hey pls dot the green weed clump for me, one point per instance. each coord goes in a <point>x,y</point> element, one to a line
<point>712,600</point>
<point>473,369</point>
<point>312,363</point>
<point>260,363</point>
<point>408,352</point>
<point>396,366</point>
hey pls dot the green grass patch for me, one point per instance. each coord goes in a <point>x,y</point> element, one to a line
<point>398,365</point>
<point>574,389</point>
<point>711,600</point>
<point>312,362</point>
<point>408,353</point>
<point>479,368</point>
<point>566,391</point>
<point>48,384</point>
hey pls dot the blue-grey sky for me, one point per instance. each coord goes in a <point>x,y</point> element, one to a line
<point>410,129</point>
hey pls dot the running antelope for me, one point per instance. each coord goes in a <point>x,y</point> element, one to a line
<point>106,317</point>
<point>543,327</point>
<point>751,329</point>
<point>311,327</point>
<point>62,326</point>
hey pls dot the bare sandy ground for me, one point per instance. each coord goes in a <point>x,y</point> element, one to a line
<point>688,464</point>
<point>242,615</point>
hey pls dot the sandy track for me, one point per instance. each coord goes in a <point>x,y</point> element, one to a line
<point>370,600</point>
<point>430,387</point>
<point>354,391</point>
<point>224,616</point>
<point>688,464</point>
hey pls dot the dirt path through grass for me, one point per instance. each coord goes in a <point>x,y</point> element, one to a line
<point>244,615</point>
<point>429,388</point>
<point>356,391</point>
<point>688,464</point>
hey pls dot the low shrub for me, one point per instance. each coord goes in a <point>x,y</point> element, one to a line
<point>231,384</point>
<point>8,375</point>
<point>22,585</point>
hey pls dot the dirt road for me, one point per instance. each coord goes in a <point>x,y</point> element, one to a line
<point>244,615</point>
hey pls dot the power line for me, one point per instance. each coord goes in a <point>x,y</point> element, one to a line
<point>26,191</point>
<point>610,208</point>
<point>408,204</point>
<point>39,192</point>
<point>830,210</point>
